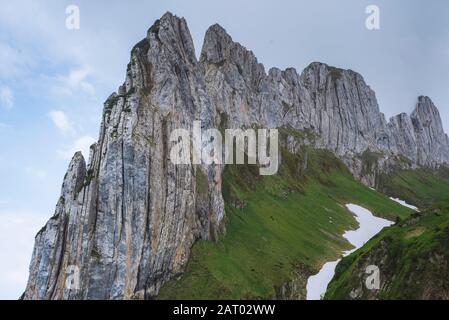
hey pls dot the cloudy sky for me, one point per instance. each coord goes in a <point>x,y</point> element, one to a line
<point>53,81</point>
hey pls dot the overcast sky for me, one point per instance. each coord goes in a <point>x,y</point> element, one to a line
<point>53,81</point>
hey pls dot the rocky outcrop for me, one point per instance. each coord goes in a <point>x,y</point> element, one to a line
<point>126,222</point>
<point>420,136</point>
<point>403,138</point>
<point>336,104</point>
<point>432,142</point>
<point>49,256</point>
<point>129,225</point>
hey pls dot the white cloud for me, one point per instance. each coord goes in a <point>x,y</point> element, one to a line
<point>17,232</point>
<point>6,97</point>
<point>82,144</point>
<point>61,121</point>
<point>76,80</point>
<point>42,35</point>
<point>37,173</point>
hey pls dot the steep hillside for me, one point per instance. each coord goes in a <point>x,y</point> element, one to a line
<point>280,230</point>
<point>422,187</point>
<point>412,257</point>
<point>128,217</point>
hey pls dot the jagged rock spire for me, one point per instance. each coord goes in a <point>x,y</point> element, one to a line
<point>127,221</point>
<point>48,255</point>
<point>131,223</point>
<point>433,147</point>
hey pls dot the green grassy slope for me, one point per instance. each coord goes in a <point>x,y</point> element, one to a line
<point>423,188</point>
<point>276,226</point>
<point>412,256</point>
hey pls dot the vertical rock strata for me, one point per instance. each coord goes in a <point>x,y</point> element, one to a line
<point>125,223</point>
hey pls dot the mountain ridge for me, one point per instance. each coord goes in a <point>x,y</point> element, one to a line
<point>129,217</point>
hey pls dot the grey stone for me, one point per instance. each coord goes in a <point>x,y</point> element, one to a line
<point>129,218</point>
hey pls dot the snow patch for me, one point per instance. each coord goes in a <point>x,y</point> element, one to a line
<point>405,204</point>
<point>369,226</point>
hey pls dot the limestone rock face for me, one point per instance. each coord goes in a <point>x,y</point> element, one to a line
<point>336,104</point>
<point>128,223</point>
<point>233,78</point>
<point>403,136</point>
<point>343,110</point>
<point>49,253</point>
<point>432,142</point>
<point>125,223</point>
<point>420,136</point>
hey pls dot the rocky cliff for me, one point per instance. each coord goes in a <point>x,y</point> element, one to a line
<point>128,219</point>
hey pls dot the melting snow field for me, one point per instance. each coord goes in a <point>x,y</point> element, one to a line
<point>405,204</point>
<point>369,226</point>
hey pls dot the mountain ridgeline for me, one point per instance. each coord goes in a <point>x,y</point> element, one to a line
<point>127,220</point>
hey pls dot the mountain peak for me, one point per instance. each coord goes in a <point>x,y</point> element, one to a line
<point>217,45</point>
<point>130,220</point>
<point>217,28</point>
<point>427,112</point>
<point>425,103</point>
<point>168,16</point>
